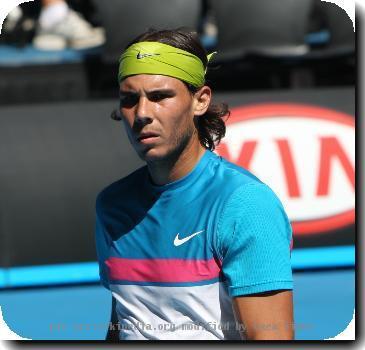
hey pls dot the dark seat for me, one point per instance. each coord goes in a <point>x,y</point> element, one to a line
<point>341,32</point>
<point>124,19</point>
<point>261,27</point>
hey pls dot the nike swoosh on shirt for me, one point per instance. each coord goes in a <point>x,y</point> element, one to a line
<point>139,55</point>
<point>178,241</point>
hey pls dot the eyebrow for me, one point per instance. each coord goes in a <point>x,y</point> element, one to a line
<point>123,93</point>
<point>159,91</point>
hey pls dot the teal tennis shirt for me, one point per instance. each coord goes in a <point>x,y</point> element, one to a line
<point>174,256</point>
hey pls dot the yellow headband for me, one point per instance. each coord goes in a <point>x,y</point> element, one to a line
<point>149,57</point>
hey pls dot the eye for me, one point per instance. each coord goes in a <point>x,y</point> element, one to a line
<point>128,100</point>
<point>158,96</point>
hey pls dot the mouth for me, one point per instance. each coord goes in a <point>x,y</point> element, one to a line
<point>147,137</point>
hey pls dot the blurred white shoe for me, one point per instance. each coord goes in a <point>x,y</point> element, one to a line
<point>12,18</point>
<point>73,31</point>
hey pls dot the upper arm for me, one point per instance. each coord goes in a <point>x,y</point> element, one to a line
<point>254,240</point>
<point>266,316</point>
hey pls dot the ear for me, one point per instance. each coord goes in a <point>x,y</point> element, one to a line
<point>202,100</point>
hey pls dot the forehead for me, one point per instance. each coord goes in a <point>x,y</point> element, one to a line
<point>149,82</point>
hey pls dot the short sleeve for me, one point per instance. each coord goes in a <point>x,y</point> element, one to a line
<point>254,237</point>
<point>102,249</point>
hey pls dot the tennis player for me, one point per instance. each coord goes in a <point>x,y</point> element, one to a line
<point>190,245</point>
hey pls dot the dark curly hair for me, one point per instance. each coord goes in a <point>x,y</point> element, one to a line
<point>210,126</point>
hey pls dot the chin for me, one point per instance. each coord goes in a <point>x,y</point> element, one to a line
<point>151,154</point>
<point>154,154</point>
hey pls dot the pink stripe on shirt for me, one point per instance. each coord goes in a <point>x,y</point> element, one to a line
<point>162,270</point>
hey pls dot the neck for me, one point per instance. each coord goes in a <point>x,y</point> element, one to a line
<point>177,166</point>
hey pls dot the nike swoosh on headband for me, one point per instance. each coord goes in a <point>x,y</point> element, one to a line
<point>139,55</point>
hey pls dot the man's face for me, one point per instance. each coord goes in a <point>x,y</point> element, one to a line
<point>158,114</point>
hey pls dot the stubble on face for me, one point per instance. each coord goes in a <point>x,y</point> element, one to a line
<point>182,140</point>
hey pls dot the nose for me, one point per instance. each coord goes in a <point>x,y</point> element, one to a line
<point>143,113</point>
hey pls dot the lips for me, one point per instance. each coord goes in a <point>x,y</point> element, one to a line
<point>146,135</point>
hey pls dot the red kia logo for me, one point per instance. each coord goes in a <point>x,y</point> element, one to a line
<point>306,154</point>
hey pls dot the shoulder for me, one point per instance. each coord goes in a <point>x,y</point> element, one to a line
<point>242,186</point>
<point>229,177</point>
<point>247,202</point>
<point>253,212</point>
<point>232,174</point>
<point>250,200</point>
<point>237,189</point>
<point>234,170</point>
<point>121,189</point>
<point>254,194</point>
